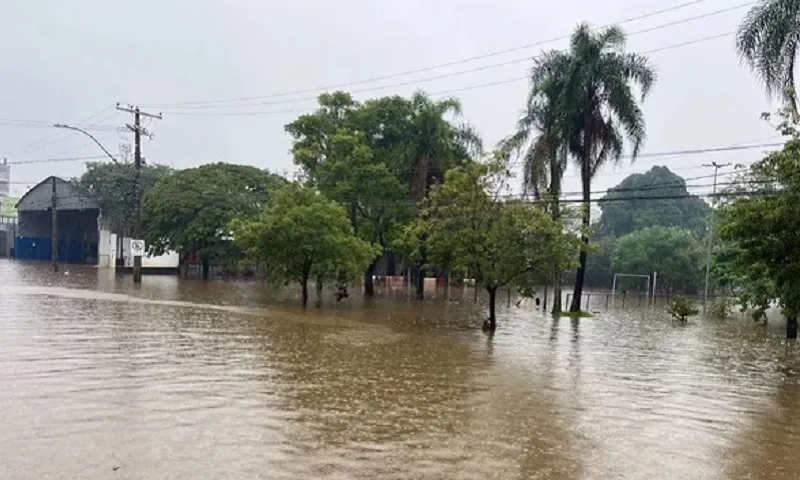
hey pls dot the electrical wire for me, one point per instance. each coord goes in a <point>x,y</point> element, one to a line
<point>433,94</point>
<point>244,100</point>
<point>50,139</point>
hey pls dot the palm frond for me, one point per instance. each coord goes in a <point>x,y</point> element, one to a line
<point>767,38</point>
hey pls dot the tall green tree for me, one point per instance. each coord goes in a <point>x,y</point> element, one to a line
<point>541,143</point>
<point>350,153</point>
<point>302,235</point>
<point>111,186</point>
<point>188,212</point>
<point>675,254</point>
<point>761,230</point>
<point>631,205</point>
<point>768,40</point>
<point>599,110</point>
<point>502,244</point>
<point>436,144</point>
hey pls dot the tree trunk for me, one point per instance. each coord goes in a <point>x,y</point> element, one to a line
<point>304,294</point>
<point>791,327</point>
<point>555,191</point>
<point>491,323</point>
<point>205,269</point>
<point>423,255</point>
<point>419,189</point>
<point>577,293</point>
<point>319,282</point>
<point>556,291</point>
<point>369,283</point>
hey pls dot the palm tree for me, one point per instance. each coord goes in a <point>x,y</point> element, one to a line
<point>542,145</point>
<point>598,110</point>
<point>768,41</point>
<point>436,145</point>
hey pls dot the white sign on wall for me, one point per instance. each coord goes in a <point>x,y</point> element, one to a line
<point>137,248</point>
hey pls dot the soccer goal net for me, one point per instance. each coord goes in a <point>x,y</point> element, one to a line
<point>624,281</point>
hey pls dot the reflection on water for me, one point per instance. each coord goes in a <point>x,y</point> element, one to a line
<point>190,379</point>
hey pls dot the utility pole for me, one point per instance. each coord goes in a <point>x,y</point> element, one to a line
<point>137,130</point>
<point>54,227</point>
<point>710,240</point>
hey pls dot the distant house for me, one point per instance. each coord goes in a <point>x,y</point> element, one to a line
<point>76,220</point>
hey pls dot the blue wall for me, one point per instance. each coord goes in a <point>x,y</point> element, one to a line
<point>69,251</point>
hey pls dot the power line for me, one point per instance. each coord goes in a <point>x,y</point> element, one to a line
<point>56,160</point>
<point>437,93</point>
<point>50,139</point>
<point>211,103</point>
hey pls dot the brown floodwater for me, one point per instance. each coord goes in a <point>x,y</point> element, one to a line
<point>171,379</point>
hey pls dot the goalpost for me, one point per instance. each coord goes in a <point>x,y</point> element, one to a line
<point>632,275</point>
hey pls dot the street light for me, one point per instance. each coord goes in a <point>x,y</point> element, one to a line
<point>70,127</point>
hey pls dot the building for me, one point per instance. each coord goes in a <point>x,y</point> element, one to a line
<point>5,178</point>
<point>82,236</point>
<point>76,223</point>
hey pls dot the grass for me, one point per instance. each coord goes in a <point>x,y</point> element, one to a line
<point>579,314</point>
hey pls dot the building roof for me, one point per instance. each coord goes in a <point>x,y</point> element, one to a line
<point>39,198</point>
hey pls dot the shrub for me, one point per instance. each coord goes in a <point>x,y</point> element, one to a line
<point>681,309</point>
<point>720,308</point>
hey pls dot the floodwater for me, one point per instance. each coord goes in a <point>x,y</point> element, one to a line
<point>101,379</point>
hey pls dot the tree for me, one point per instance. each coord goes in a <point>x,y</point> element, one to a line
<point>761,229</point>
<point>675,253</point>
<point>502,244</point>
<point>333,147</point>
<point>541,143</point>
<point>435,145</point>
<point>630,205</point>
<point>768,40</point>
<point>598,110</point>
<point>111,186</point>
<point>301,235</point>
<point>190,210</point>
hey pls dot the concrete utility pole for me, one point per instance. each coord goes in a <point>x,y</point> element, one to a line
<point>137,130</point>
<point>54,227</point>
<point>710,240</point>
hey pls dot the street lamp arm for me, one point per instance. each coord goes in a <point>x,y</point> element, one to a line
<point>70,127</point>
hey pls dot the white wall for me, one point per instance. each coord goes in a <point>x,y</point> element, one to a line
<point>107,250</point>
<point>168,260</point>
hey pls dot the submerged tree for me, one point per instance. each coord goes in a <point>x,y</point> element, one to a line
<point>189,211</point>
<point>503,244</point>
<point>598,110</point>
<point>336,147</point>
<point>436,144</point>
<point>540,142</point>
<point>302,235</point>
<point>760,229</point>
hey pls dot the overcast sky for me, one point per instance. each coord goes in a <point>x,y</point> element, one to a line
<point>69,61</point>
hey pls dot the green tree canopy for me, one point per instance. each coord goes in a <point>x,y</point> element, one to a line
<point>630,205</point>
<point>344,152</point>
<point>190,210</point>
<point>111,186</point>
<point>761,232</point>
<point>300,235</point>
<point>674,253</point>
<point>501,244</point>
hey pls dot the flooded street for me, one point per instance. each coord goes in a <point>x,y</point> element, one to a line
<point>191,380</point>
